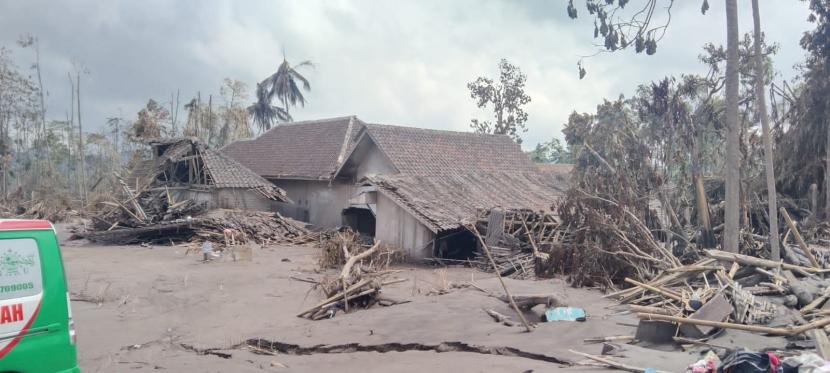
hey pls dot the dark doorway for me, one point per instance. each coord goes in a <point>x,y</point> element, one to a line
<point>360,220</point>
<point>459,244</point>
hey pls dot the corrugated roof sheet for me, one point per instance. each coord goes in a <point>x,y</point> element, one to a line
<point>301,150</point>
<point>444,202</point>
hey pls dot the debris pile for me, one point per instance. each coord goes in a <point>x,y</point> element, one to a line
<point>729,291</point>
<point>55,207</point>
<point>175,197</point>
<point>519,241</point>
<point>360,280</point>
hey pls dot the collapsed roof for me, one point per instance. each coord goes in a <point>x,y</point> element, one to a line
<point>190,161</point>
<point>444,202</point>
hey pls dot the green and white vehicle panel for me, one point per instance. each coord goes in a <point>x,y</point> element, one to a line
<point>36,329</point>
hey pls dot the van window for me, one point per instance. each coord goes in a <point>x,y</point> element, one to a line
<point>19,268</point>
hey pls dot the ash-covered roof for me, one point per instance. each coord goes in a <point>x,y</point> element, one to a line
<point>299,150</point>
<point>420,151</point>
<point>316,149</point>
<point>444,202</point>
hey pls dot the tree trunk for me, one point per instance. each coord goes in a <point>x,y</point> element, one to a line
<point>707,236</point>
<point>761,104</point>
<point>827,165</point>
<point>733,161</point>
<point>81,153</point>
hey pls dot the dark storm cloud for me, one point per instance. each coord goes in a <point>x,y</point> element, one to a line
<point>395,62</point>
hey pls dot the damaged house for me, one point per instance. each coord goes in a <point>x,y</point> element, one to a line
<point>186,190</point>
<point>408,187</point>
<point>188,169</point>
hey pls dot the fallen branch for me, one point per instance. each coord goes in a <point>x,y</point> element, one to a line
<point>501,318</point>
<point>501,280</point>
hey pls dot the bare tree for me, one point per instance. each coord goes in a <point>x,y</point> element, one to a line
<point>733,156</point>
<point>80,69</point>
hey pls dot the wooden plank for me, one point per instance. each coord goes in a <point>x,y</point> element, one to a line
<point>716,309</point>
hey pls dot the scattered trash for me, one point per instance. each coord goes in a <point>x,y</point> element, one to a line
<point>709,364</point>
<point>743,361</point>
<point>564,314</point>
<point>806,362</point>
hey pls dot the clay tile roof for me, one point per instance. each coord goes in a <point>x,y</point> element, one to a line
<point>300,150</point>
<point>444,202</point>
<point>419,151</point>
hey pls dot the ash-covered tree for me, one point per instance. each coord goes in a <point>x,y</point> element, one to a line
<point>234,116</point>
<point>150,122</point>
<point>506,97</point>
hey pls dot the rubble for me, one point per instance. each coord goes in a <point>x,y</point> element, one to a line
<point>173,197</point>
<point>258,227</point>
<point>519,241</point>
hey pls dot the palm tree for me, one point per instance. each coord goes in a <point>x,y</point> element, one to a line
<point>761,106</point>
<point>283,84</point>
<point>733,157</point>
<point>263,113</point>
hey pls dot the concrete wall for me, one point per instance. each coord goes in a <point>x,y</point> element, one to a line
<point>398,228</point>
<point>374,163</point>
<point>325,202</point>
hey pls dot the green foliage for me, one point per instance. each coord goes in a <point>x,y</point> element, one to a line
<point>507,97</point>
<point>551,152</point>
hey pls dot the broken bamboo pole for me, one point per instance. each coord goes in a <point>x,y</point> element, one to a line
<point>759,262</point>
<point>799,239</point>
<point>788,331</point>
<point>613,364</point>
<point>501,280</point>
<point>654,289</point>
<point>336,296</point>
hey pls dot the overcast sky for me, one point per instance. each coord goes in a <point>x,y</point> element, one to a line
<point>394,62</point>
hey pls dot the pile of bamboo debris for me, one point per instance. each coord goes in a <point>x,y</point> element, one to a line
<point>519,241</point>
<point>245,226</point>
<point>732,291</point>
<point>359,283</point>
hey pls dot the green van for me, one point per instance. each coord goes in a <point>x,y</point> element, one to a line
<point>36,329</point>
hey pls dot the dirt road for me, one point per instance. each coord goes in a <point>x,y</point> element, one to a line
<point>147,309</point>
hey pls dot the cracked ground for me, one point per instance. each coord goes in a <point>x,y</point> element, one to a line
<point>160,309</point>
